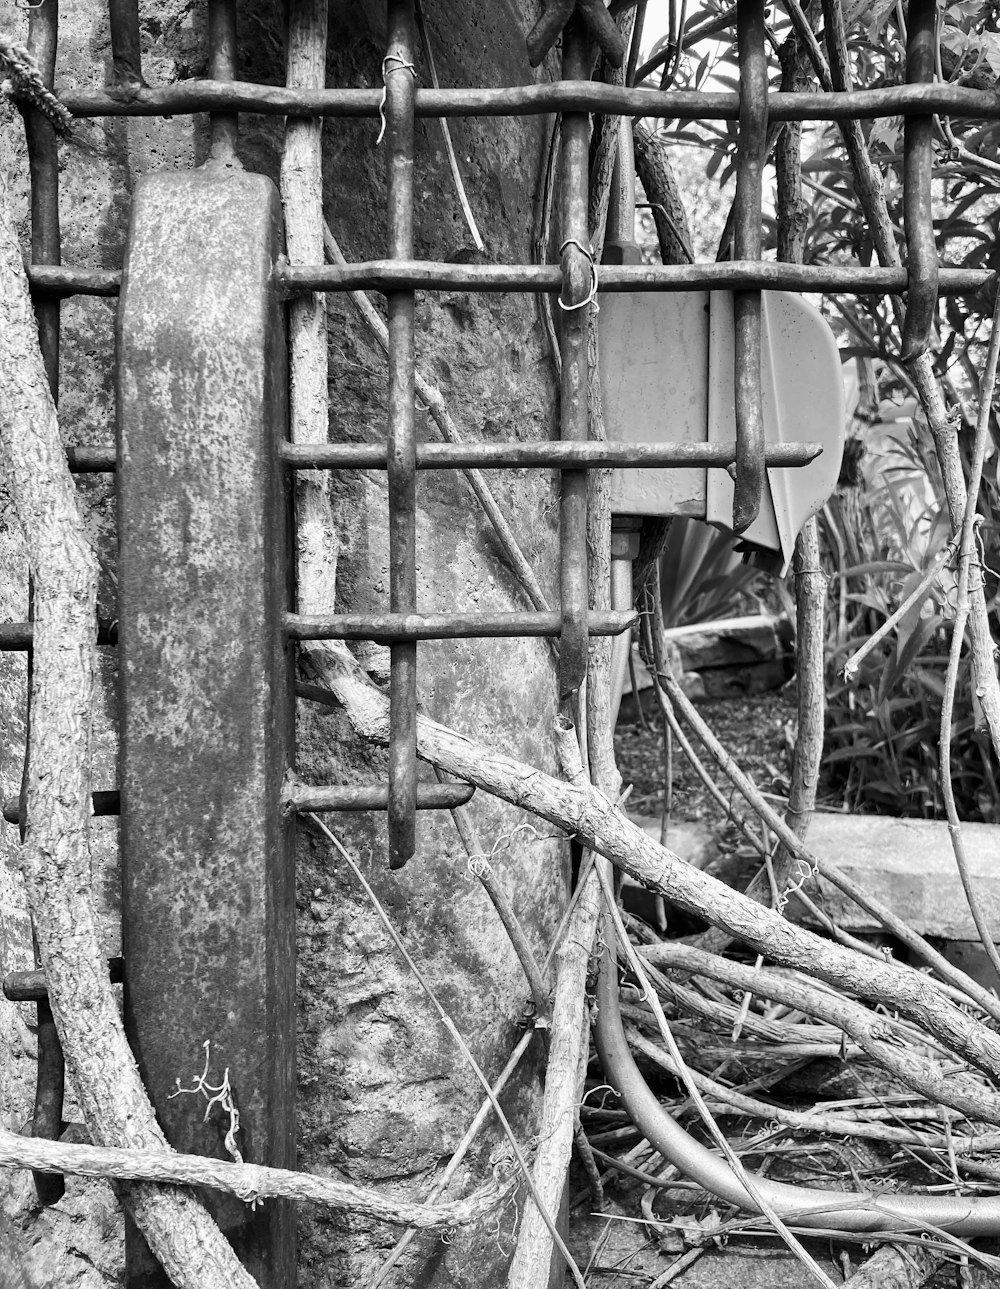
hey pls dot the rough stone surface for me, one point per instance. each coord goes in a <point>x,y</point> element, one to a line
<point>910,865</point>
<point>383,1096</point>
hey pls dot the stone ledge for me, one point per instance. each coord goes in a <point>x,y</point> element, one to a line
<point>732,642</point>
<point>909,865</point>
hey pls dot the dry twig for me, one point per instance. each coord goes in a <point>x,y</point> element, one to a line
<point>482,869</point>
<point>877,1036</point>
<point>809,863</point>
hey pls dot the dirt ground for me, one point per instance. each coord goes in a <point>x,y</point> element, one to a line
<point>758,729</point>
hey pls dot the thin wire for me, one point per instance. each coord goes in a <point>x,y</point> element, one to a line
<point>450,1026</point>
<point>401,65</point>
<point>592,297</point>
<point>456,174</point>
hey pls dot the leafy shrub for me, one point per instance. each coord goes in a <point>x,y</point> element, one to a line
<point>702,578</point>
<point>883,726</point>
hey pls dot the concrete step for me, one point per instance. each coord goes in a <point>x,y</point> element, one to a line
<point>910,865</point>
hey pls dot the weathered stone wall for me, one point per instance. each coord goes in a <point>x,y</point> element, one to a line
<point>383,1095</point>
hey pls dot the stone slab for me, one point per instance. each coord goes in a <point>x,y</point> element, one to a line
<point>733,656</point>
<point>693,841</point>
<point>732,642</point>
<point>910,865</point>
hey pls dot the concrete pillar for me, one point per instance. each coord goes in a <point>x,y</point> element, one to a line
<point>205,683</point>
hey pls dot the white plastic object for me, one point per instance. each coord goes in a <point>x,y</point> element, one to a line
<point>666,366</point>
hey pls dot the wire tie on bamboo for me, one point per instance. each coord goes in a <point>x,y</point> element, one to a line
<point>398,65</point>
<point>981,563</point>
<point>606,1088</point>
<point>802,872</point>
<point>479,866</point>
<point>592,295</point>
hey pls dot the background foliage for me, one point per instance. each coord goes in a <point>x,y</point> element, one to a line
<point>891,523</point>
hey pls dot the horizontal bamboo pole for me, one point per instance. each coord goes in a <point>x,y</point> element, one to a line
<point>33,986</point>
<point>529,100</point>
<point>387,627</point>
<point>51,281</point>
<point>554,454</point>
<point>21,635</point>
<point>303,797</point>
<point>57,281</point>
<point>757,275</point>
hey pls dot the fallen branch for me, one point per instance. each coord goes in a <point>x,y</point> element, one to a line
<point>254,1184</point>
<point>569,1038</point>
<point>724,1100</point>
<point>692,1083</point>
<point>722,1015</point>
<point>583,811</point>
